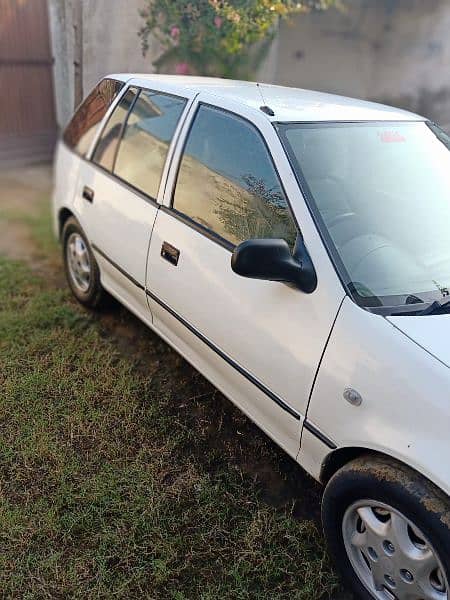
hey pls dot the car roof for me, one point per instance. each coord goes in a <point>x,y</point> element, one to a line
<point>288,104</point>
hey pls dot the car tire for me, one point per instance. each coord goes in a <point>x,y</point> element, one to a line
<point>377,514</point>
<point>81,268</point>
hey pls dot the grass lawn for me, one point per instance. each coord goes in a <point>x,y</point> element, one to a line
<point>125,475</point>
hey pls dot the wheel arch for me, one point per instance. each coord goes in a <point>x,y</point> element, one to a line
<point>63,215</point>
<point>338,458</point>
<point>342,456</point>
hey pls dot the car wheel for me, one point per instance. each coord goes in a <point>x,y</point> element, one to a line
<point>82,272</point>
<point>388,530</point>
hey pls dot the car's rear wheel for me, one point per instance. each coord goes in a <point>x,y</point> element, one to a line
<point>388,530</point>
<point>82,272</point>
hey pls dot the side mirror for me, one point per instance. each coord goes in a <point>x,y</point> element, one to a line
<point>271,260</point>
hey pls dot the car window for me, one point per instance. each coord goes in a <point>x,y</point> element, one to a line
<point>227,181</point>
<point>81,130</point>
<point>105,151</point>
<point>380,193</point>
<point>149,130</point>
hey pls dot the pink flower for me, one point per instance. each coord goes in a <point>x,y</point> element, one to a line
<point>175,32</point>
<point>182,69</point>
<point>218,21</point>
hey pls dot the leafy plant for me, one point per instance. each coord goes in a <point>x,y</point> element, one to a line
<point>227,38</point>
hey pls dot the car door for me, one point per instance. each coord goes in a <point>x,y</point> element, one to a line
<point>118,191</point>
<point>260,342</point>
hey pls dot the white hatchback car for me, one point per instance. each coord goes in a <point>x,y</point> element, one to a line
<point>294,247</point>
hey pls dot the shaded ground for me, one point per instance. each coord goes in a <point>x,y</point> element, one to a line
<point>208,438</point>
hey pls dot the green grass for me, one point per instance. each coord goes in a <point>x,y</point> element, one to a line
<point>124,478</point>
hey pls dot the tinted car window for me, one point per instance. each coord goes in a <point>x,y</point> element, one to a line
<point>105,151</point>
<point>145,143</point>
<point>228,183</point>
<point>80,132</point>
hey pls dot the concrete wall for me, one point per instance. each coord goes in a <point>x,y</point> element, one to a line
<point>61,31</point>
<point>110,45</point>
<point>393,51</point>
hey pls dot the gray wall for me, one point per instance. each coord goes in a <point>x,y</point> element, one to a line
<point>110,45</point>
<point>393,51</point>
<point>61,31</point>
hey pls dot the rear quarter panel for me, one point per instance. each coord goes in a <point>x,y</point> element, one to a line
<point>65,175</point>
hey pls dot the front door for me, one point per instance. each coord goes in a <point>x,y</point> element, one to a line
<point>259,341</point>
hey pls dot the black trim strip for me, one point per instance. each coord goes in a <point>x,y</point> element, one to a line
<point>319,435</point>
<point>116,266</point>
<point>281,403</point>
<point>211,235</point>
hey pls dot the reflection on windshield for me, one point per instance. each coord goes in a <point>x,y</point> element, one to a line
<point>382,193</point>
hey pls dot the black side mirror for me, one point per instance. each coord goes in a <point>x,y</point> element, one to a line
<point>271,260</point>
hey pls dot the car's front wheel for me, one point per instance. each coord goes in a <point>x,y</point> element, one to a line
<point>82,272</point>
<point>388,530</point>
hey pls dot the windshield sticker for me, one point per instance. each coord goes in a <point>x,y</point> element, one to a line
<point>391,137</point>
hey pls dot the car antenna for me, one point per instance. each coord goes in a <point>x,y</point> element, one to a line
<point>265,109</point>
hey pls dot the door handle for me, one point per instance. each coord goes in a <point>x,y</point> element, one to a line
<point>170,253</point>
<point>88,194</point>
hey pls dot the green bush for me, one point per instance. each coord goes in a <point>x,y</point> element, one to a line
<point>216,37</point>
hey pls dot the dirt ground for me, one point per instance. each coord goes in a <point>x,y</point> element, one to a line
<point>20,189</point>
<point>281,481</point>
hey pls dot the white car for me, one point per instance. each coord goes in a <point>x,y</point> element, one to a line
<point>294,247</point>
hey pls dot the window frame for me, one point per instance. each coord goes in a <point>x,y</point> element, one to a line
<point>124,127</point>
<point>206,231</point>
<point>139,86</point>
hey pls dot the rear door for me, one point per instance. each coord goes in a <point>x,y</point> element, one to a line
<point>260,342</point>
<point>118,195</point>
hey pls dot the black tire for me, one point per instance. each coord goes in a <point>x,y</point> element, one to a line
<point>383,480</point>
<point>94,295</point>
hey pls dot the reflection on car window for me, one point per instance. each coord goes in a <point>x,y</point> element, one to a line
<point>149,130</point>
<point>382,192</point>
<point>105,150</point>
<point>80,132</point>
<point>227,181</point>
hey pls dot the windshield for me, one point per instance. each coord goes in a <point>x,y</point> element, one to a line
<point>380,193</point>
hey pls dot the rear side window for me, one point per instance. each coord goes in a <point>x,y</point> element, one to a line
<point>105,151</point>
<point>148,132</point>
<point>80,132</point>
<point>227,181</point>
